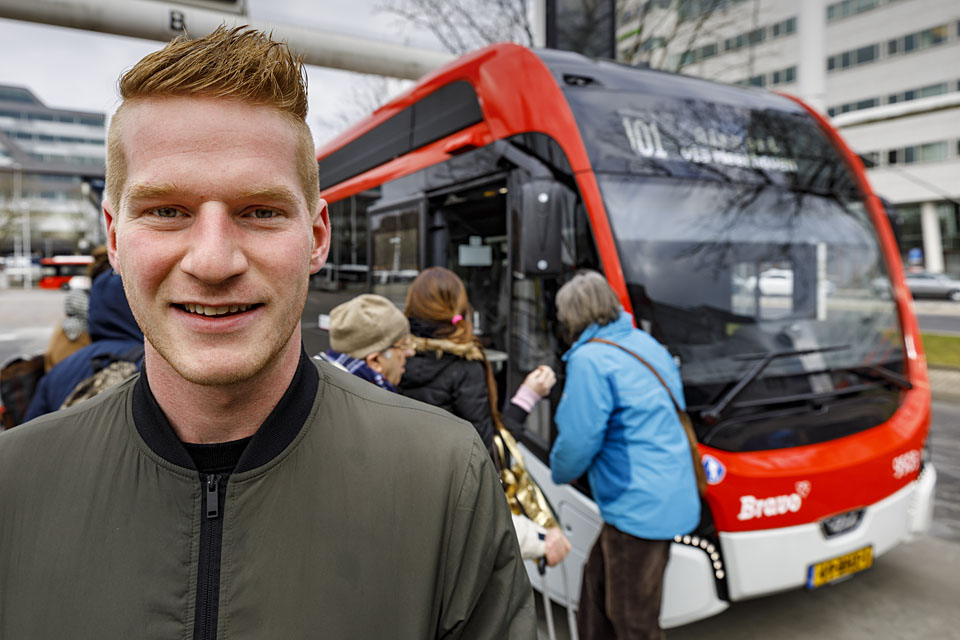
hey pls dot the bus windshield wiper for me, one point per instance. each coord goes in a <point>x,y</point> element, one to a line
<point>876,371</point>
<point>713,414</point>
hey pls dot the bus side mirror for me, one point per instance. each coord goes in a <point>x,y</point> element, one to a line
<point>546,204</point>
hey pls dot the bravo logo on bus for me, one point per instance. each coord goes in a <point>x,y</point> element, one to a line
<point>752,507</point>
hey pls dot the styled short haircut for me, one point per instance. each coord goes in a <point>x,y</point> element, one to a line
<point>240,64</point>
<point>586,299</point>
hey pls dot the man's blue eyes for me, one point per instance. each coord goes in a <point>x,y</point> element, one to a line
<point>260,214</point>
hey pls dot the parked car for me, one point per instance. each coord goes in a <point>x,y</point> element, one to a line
<point>772,282</point>
<point>933,285</point>
<point>776,282</point>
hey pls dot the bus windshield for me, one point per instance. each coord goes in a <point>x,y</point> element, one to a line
<point>748,252</point>
<point>725,274</point>
<point>743,240</point>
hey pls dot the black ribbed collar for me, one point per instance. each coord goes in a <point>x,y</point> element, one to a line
<point>217,457</point>
<point>277,431</point>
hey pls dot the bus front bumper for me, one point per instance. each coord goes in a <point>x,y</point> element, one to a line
<point>772,560</point>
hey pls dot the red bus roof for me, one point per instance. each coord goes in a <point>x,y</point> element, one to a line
<point>510,82</point>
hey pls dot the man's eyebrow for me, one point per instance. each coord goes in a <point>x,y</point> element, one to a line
<point>143,191</point>
<point>277,193</point>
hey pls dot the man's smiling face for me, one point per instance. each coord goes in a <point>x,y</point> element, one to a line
<point>213,236</point>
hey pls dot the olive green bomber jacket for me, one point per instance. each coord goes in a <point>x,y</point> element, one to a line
<point>379,517</point>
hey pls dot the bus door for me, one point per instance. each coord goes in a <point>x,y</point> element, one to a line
<point>475,229</point>
<point>466,232</point>
<point>550,240</point>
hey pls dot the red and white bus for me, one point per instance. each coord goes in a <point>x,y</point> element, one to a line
<point>57,271</point>
<point>737,228</point>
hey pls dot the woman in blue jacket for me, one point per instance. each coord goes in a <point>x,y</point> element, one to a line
<point>617,423</point>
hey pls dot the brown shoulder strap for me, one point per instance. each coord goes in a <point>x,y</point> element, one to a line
<point>698,472</point>
<point>645,363</point>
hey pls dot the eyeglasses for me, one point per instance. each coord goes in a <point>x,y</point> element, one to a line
<point>405,344</point>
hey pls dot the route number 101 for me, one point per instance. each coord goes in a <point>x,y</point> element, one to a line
<point>644,138</point>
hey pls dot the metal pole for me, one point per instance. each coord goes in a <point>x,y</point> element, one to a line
<point>25,222</point>
<point>571,616</point>
<point>11,203</point>
<point>545,592</point>
<point>538,22</point>
<point>162,21</point>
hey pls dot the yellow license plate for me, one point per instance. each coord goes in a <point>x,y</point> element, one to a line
<point>831,570</point>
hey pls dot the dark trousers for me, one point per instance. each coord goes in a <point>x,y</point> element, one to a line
<point>622,587</point>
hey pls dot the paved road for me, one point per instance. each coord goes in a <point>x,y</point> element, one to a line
<point>27,320</point>
<point>949,325</point>
<point>911,592</point>
<point>932,307</point>
<point>938,316</point>
<point>945,451</point>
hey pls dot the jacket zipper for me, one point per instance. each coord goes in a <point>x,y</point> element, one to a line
<point>208,571</point>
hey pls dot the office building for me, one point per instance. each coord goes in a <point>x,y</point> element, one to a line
<point>46,157</point>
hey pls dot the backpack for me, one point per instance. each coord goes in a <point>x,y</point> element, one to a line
<point>18,382</point>
<point>109,371</point>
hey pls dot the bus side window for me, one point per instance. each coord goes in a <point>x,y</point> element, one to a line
<point>395,250</point>
<point>346,266</point>
<point>344,275</point>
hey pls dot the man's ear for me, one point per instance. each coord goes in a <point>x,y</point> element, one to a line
<point>111,222</point>
<point>373,361</point>
<point>320,230</point>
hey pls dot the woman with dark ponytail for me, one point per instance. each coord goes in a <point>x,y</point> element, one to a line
<point>451,371</point>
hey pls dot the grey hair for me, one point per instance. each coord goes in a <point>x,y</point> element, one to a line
<point>586,299</point>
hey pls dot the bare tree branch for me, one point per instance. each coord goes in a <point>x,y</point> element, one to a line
<point>696,31</point>
<point>460,25</point>
<point>666,35</point>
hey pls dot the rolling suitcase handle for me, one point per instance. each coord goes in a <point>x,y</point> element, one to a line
<point>547,606</point>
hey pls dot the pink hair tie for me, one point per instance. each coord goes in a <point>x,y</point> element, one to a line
<point>455,319</point>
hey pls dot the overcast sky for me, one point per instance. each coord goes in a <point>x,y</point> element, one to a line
<point>75,69</point>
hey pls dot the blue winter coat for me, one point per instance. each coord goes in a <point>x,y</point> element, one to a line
<point>616,422</point>
<point>113,331</point>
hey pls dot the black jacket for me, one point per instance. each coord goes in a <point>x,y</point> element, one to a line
<point>450,375</point>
